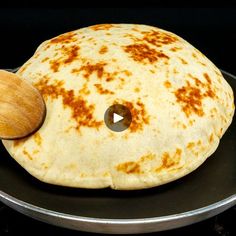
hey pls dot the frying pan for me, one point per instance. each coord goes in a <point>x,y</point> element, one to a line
<point>205,192</point>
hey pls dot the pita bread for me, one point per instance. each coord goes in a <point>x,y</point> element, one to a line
<point>180,103</point>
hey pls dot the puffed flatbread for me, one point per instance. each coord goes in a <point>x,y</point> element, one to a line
<point>180,104</point>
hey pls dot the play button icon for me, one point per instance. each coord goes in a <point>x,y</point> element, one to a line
<point>117,118</point>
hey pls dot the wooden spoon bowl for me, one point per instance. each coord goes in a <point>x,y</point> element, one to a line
<point>22,108</point>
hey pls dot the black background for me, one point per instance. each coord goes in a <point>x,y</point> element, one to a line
<point>211,30</point>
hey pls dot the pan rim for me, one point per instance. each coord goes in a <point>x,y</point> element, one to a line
<point>227,201</point>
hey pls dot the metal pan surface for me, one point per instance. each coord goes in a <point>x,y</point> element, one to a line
<point>205,192</point>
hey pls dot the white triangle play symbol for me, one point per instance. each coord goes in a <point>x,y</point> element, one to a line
<point>117,118</point>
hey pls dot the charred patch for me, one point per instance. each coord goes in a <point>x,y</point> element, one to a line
<point>102,90</point>
<point>81,111</point>
<point>190,96</point>
<point>139,115</point>
<point>190,99</point>
<point>158,38</point>
<point>64,38</point>
<point>68,54</point>
<point>97,68</point>
<point>142,53</point>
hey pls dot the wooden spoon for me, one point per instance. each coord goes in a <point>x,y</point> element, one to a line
<point>22,108</point>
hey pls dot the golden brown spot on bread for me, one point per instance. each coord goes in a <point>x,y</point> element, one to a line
<point>44,59</point>
<point>129,167</point>
<point>109,79</point>
<point>127,72</point>
<point>194,55</point>
<point>37,139</point>
<point>179,124</point>
<point>137,90</point>
<point>218,73</point>
<point>190,96</point>
<point>169,161</point>
<point>27,154</point>
<point>196,80</point>
<point>213,110</point>
<point>64,38</point>
<point>102,27</point>
<point>142,53</point>
<point>152,71</point>
<point>36,55</point>
<point>207,77</point>
<point>67,56</point>
<point>84,90</point>
<point>47,46</point>
<point>147,157</point>
<point>202,63</point>
<point>55,65</point>
<point>97,68</point>
<point>190,99</point>
<point>89,39</point>
<point>81,110</point>
<point>183,61</point>
<point>101,90</point>
<point>75,71</point>
<point>158,38</point>
<point>103,50</point>
<point>211,138</point>
<point>175,49</point>
<point>221,131</point>
<point>139,115</point>
<point>167,84</point>
<point>190,145</point>
<point>71,53</point>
